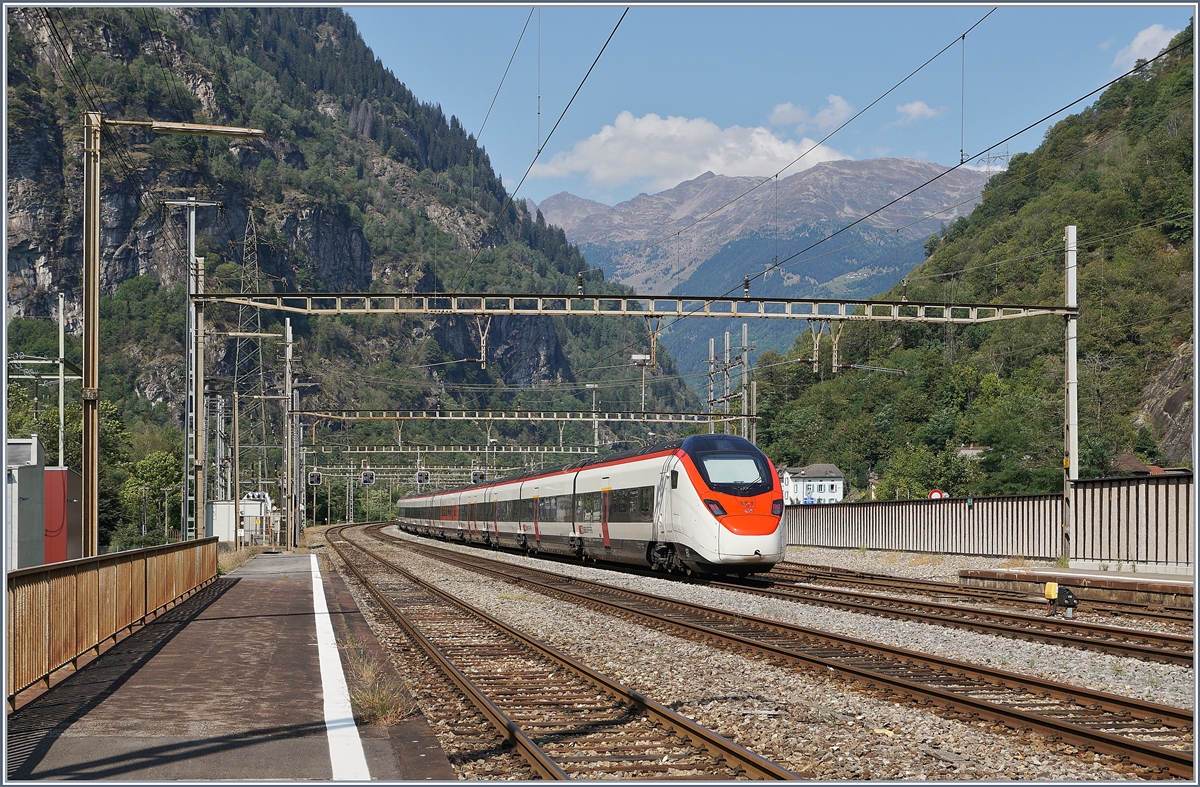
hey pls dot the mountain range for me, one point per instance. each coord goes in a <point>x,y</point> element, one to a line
<point>704,236</point>
<point>657,243</point>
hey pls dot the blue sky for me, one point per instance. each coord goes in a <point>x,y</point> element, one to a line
<point>681,90</point>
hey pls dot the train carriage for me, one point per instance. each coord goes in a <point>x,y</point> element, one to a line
<point>707,503</point>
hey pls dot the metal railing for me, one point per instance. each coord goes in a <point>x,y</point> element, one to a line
<point>1145,521</point>
<point>1020,525</point>
<point>59,612</point>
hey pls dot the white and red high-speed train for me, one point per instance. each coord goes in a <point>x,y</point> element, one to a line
<point>706,503</point>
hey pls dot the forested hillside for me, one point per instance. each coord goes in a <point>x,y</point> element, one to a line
<point>1122,172</point>
<point>357,186</point>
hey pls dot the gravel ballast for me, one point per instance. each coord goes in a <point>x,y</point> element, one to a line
<point>1165,684</point>
<point>909,565</point>
<point>815,725</point>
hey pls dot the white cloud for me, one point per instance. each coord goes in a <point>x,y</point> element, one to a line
<point>668,151</point>
<point>1146,45</point>
<point>836,111</point>
<point>1104,47</point>
<point>916,110</point>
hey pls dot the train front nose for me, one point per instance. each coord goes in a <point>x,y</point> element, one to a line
<point>751,538</point>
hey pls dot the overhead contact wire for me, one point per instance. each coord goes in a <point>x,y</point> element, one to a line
<point>512,196</point>
<point>794,161</point>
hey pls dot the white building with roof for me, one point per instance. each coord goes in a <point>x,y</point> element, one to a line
<point>812,485</point>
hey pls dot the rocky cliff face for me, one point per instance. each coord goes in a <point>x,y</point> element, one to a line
<point>836,192</point>
<point>139,236</point>
<point>1166,406</point>
<point>357,186</point>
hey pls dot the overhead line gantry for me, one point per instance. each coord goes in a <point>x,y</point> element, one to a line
<point>676,307</point>
<point>654,309</point>
<point>505,415</point>
<point>449,449</point>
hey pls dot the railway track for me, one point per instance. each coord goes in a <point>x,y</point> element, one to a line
<point>1168,648</point>
<point>808,574</point>
<point>1158,738</point>
<point>1115,640</point>
<point>564,719</point>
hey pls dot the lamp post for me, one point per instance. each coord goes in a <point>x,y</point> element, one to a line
<point>595,420</point>
<point>166,490</point>
<point>642,361</point>
<point>92,123</point>
<point>295,499</point>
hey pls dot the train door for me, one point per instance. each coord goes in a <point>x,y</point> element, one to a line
<point>661,504</point>
<point>537,534</point>
<point>666,509</point>
<point>605,497</point>
<point>493,508</point>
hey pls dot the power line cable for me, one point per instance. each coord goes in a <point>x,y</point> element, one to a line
<point>115,143</point>
<point>488,114</point>
<point>170,82</point>
<point>542,145</point>
<point>794,161</point>
<point>843,229</point>
<point>957,166</point>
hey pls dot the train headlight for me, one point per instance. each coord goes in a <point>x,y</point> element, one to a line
<point>777,508</point>
<point>715,507</point>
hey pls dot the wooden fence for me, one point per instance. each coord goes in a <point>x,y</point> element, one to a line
<point>1141,521</point>
<point>59,612</point>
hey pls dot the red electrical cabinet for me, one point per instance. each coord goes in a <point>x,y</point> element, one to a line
<point>64,514</point>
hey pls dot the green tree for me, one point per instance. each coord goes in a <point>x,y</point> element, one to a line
<point>142,498</point>
<point>915,470</point>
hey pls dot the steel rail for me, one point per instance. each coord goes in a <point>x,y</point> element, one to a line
<point>537,759</point>
<point>720,747</point>
<point>1079,634</point>
<point>812,573</point>
<point>1168,648</point>
<point>1150,755</point>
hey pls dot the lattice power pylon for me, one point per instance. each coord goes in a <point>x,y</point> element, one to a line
<point>249,374</point>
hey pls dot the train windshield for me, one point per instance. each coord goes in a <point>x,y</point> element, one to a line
<point>735,473</point>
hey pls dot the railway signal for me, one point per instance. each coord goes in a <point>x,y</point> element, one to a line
<point>368,477</point>
<point>314,479</point>
<point>422,476</point>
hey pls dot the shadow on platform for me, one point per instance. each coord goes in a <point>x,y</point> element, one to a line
<point>33,728</point>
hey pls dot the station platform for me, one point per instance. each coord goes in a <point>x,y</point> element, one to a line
<point>1166,590</point>
<point>243,681</point>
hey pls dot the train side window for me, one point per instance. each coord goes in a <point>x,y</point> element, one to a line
<point>674,479</point>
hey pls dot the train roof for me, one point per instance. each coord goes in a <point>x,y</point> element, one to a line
<point>700,442</point>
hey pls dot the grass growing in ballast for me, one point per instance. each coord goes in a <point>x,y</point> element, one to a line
<point>377,695</point>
